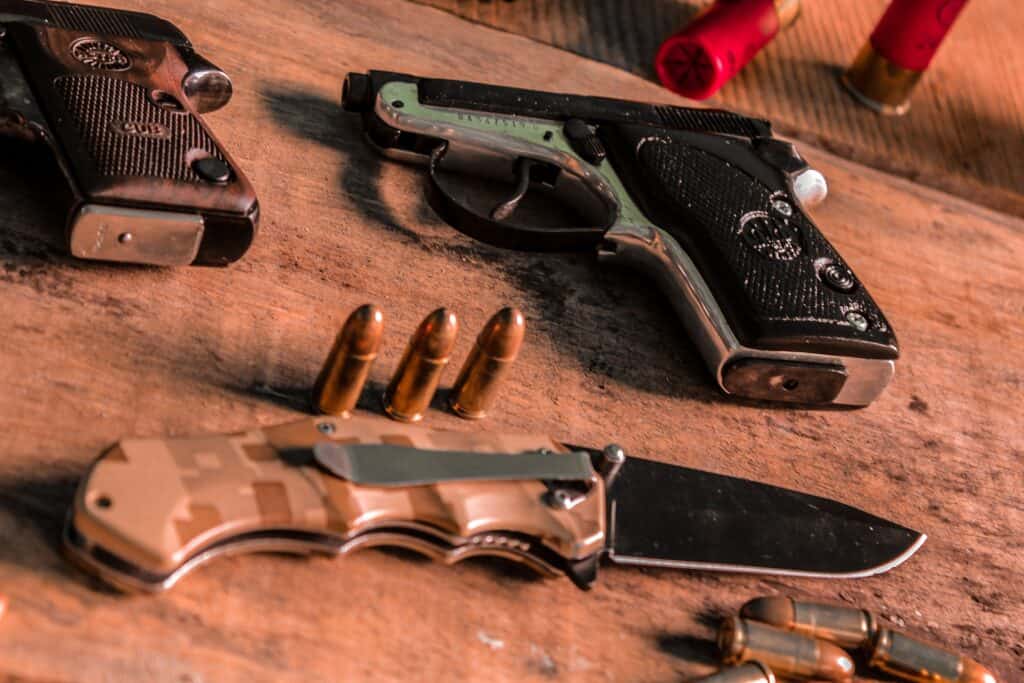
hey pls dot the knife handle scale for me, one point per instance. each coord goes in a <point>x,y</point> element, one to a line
<point>150,510</point>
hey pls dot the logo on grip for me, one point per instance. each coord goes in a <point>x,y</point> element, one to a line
<point>773,237</point>
<point>98,54</point>
<point>150,130</point>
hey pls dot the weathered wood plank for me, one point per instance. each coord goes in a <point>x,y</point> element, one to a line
<point>963,133</point>
<point>90,353</point>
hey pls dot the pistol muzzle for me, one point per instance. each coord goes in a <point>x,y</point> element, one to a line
<point>344,372</point>
<point>496,348</point>
<point>788,654</point>
<point>847,627</point>
<point>356,93</point>
<point>415,381</point>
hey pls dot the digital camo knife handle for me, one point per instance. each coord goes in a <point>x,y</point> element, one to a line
<point>117,96</point>
<point>150,510</point>
<point>706,202</point>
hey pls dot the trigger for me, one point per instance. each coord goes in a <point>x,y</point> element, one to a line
<point>506,208</point>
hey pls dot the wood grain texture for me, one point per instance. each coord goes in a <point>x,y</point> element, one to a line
<point>964,133</point>
<point>90,353</point>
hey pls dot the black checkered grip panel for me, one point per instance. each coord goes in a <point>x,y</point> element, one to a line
<point>729,214</point>
<point>92,20</point>
<point>102,108</point>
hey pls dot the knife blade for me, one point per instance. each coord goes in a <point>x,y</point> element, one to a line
<point>723,523</point>
<point>149,511</point>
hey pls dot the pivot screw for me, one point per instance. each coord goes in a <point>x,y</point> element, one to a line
<point>859,322</point>
<point>125,237</point>
<point>561,499</point>
<point>325,427</point>
<point>612,459</point>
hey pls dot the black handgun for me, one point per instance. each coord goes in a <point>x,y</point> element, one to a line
<point>116,97</point>
<point>706,201</point>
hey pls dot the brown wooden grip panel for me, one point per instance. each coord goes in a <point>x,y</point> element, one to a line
<point>127,134</point>
<point>148,507</point>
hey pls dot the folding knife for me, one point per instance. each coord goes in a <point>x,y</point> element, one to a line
<point>151,510</point>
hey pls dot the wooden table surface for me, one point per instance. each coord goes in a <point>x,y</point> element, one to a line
<point>91,352</point>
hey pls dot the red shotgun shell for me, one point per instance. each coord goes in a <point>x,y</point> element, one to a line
<point>900,49</point>
<point>711,49</point>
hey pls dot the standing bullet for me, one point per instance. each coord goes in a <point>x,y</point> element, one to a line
<point>344,372</point>
<point>912,660</point>
<point>495,349</point>
<point>414,383</point>
<point>788,654</point>
<point>847,627</point>
<point>751,672</point>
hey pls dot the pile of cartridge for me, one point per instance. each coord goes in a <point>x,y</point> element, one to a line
<point>779,636</point>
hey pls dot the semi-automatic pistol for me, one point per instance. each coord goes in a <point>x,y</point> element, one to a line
<point>706,202</point>
<point>116,96</point>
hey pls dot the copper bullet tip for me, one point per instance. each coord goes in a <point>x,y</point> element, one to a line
<point>348,364</point>
<point>435,337</point>
<point>776,610</point>
<point>365,328</point>
<point>503,334</point>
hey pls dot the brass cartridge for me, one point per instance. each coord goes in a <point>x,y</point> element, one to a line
<point>788,654</point>
<point>847,627</point>
<point>908,658</point>
<point>751,672</point>
<point>344,372</point>
<point>413,385</point>
<point>495,350</point>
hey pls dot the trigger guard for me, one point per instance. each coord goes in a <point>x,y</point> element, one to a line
<point>498,234</point>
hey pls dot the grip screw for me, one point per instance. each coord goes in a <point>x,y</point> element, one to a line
<point>212,170</point>
<point>838,277</point>
<point>856,319</point>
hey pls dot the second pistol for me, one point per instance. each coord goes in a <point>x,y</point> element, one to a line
<point>707,203</point>
<point>115,98</point>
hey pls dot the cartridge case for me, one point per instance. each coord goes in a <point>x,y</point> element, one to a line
<point>788,654</point>
<point>848,627</point>
<point>908,658</point>
<point>898,52</point>
<point>413,385</point>
<point>494,351</point>
<point>347,365</point>
<point>750,672</point>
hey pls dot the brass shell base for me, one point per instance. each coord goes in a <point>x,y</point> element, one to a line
<point>390,411</point>
<point>879,84</point>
